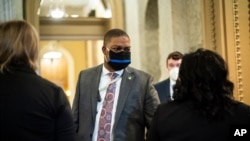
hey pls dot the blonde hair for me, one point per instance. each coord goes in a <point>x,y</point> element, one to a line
<point>18,44</point>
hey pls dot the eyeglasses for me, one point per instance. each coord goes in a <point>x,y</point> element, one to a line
<point>119,49</point>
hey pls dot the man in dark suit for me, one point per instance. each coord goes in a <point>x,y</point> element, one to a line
<point>164,88</point>
<point>134,101</point>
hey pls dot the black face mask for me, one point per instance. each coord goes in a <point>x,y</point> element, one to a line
<point>119,60</point>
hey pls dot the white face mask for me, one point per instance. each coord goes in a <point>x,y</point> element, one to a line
<point>173,73</point>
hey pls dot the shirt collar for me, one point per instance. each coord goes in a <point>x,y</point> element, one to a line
<point>172,82</point>
<point>105,71</point>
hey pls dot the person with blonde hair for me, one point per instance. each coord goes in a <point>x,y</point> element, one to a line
<point>31,108</point>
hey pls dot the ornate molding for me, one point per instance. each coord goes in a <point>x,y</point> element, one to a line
<point>238,49</point>
<point>212,25</point>
<point>72,28</point>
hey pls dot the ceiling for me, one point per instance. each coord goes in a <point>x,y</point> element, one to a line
<point>75,8</point>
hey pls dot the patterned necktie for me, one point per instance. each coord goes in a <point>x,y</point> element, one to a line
<point>106,113</point>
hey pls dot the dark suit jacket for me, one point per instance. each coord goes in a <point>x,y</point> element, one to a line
<point>137,103</point>
<point>32,108</point>
<point>163,89</point>
<point>178,122</point>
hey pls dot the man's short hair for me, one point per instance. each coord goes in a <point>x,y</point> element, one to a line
<point>176,55</point>
<point>113,33</point>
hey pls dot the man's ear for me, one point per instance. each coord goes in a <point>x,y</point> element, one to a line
<point>104,50</point>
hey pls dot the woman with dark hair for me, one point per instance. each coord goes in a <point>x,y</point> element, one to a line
<point>203,108</point>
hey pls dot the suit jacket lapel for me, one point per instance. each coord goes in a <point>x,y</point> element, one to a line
<point>125,88</point>
<point>94,90</point>
<point>168,90</point>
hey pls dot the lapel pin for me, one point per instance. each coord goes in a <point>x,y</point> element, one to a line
<point>130,77</point>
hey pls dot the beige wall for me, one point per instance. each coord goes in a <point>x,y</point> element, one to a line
<point>77,50</point>
<point>75,60</point>
<point>225,30</point>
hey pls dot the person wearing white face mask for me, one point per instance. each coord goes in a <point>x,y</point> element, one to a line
<point>165,87</point>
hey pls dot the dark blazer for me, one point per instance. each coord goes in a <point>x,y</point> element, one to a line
<point>137,103</point>
<point>178,122</point>
<point>32,108</point>
<point>163,90</point>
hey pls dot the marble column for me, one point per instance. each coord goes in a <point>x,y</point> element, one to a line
<point>150,50</point>
<point>10,10</point>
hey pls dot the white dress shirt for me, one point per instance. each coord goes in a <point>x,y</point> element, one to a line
<point>103,85</point>
<point>172,83</point>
